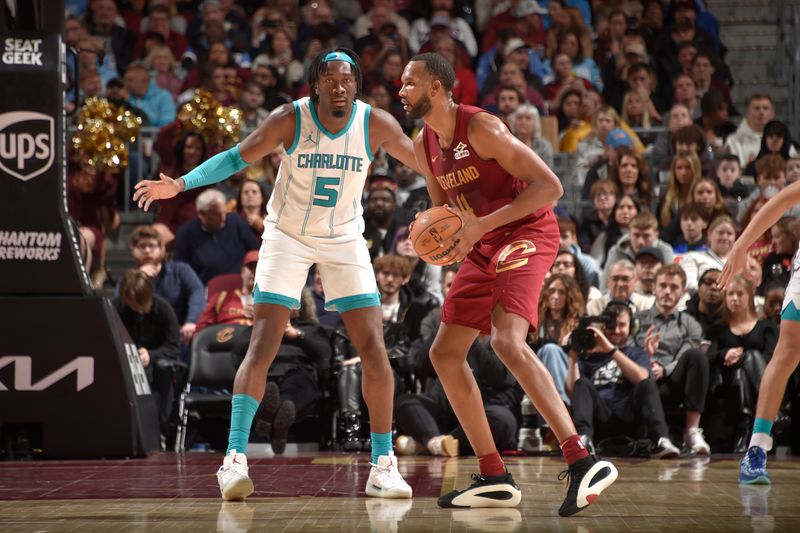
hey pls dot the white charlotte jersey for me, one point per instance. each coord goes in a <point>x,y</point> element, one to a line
<point>321,177</point>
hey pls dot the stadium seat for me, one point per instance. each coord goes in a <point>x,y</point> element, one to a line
<point>223,282</point>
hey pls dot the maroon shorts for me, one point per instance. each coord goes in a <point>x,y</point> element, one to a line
<point>508,271</point>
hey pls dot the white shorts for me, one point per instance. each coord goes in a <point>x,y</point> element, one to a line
<point>343,262</point>
<point>791,302</point>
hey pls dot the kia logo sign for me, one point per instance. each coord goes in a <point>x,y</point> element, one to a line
<point>26,143</point>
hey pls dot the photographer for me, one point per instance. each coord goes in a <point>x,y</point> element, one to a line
<point>610,384</point>
<point>672,339</point>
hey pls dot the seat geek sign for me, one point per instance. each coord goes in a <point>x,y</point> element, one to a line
<point>22,52</point>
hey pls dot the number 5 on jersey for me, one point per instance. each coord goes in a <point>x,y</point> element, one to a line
<point>326,191</point>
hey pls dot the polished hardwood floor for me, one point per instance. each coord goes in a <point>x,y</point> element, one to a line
<point>324,492</point>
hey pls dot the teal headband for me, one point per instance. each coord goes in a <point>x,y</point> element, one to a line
<point>338,56</point>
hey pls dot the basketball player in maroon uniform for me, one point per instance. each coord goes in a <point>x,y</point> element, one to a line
<point>509,239</point>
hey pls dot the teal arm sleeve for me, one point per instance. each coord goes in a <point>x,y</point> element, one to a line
<point>216,169</point>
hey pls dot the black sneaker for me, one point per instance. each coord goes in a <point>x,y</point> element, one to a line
<point>587,479</point>
<point>284,419</point>
<point>491,491</point>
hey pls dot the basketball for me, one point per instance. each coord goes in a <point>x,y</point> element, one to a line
<point>431,228</point>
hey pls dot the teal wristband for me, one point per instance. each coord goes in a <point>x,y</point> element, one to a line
<point>216,169</point>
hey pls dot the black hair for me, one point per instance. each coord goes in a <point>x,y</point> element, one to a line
<point>438,68</point>
<point>317,67</point>
<point>613,231</point>
<point>712,101</point>
<point>581,278</point>
<point>181,144</point>
<point>264,197</point>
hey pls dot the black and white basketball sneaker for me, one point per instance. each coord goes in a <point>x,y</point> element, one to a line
<point>587,479</point>
<point>490,491</point>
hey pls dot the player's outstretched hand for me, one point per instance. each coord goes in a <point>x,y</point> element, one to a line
<point>147,191</point>
<point>736,264</point>
<point>471,231</point>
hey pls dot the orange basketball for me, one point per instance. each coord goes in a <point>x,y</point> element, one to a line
<point>430,229</point>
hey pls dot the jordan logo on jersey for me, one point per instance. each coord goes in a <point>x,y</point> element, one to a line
<point>460,151</point>
<point>310,139</point>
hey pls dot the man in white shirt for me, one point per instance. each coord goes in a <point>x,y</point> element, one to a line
<point>746,141</point>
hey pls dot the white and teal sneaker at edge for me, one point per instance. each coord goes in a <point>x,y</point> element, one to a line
<point>385,480</point>
<point>234,482</point>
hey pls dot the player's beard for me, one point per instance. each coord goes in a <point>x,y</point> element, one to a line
<point>420,109</point>
<point>338,113</point>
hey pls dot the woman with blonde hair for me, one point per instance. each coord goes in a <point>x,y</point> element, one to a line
<point>636,110</point>
<point>721,235</point>
<point>163,70</point>
<point>684,170</point>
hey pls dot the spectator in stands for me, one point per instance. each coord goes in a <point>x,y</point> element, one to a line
<point>279,54</point>
<point>636,110</point>
<point>684,92</point>
<point>648,261</point>
<point>568,231</point>
<point>777,139</point>
<point>267,77</point>
<point>684,170</point>
<point>511,76</point>
<point>621,284</point>
<point>382,11</point>
<point>686,53</point>
<point>773,302</point>
<point>651,24</point>
<point>176,20</point>
<point>568,113</point>
<point>382,218</point>
<point>631,176</point>
<point>89,85</point>
<point>714,120</point>
<point>706,304</point>
<point>508,100</point>
<point>143,92</point>
<point>591,103</point>
<point>567,263</point>
<point>792,169</point>
<point>605,162</point>
<point>582,63</point>
<point>510,49</point>
<point>465,90</point>
<point>189,151</point>
<point>163,68</point>
<point>611,389</point>
<point>118,40</point>
<point>152,325</point>
<point>741,345</point>
<point>209,74</point>
<point>643,232</point>
<point>660,155</point>
<point>702,71</point>
<point>561,305</point>
<point>412,190</point>
<point>215,241</point>
<point>321,23</point>
<point>232,307</point>
<point>705,193</point>
<point>526,126</point>
<point>331,319</point>
<point>303,359</point>
<point>235,28</point>
<point>564,19</point>
<point>609,41</point>
<point>778,264</point>
<point>523,18</point>
<point>771,178</point>
<point>665,52</point>
<point>593,146</point>
<point>158,23</point>
<point>694,221</point>
<point>721,235</point>
<point>425,279</point>
<point>251,205</point>
<point>91,202</point>
<point>746,142</point>
<point>626,208</point>
<point>564,80</point>
<point>442,14</point>
<point>174,281</point>
<point>671,338</point>
<point>603,196</point>
<point>251,105</point>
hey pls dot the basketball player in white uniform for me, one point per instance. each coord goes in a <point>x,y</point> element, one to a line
<point>314,216</point>
<point>785,358</point>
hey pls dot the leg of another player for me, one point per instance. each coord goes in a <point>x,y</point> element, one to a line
<point>509,331</point>
<point>248,390</point>
<point>365,327</point>
<point>785,358</point>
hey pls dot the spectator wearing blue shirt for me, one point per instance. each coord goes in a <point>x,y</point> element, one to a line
<point>215,242</point>
<point>611,387</point>
<point>175,281</point>
<point>143,93</point>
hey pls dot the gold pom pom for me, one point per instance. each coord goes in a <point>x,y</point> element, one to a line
<point>102,133</point>
<point>206,116</point>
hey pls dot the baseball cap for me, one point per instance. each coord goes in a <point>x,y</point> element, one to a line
<point>618,138</point>
<point>528,7</point>
<point>651,251</point>
<point>515,43</point>
<point>250,257</point>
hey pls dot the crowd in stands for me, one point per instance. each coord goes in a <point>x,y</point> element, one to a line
<point>665,170</point>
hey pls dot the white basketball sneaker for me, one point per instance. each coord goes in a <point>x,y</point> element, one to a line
<point>385,480</point>
<point>234,483</point>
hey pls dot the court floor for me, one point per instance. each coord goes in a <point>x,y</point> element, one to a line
<point>323,492</point>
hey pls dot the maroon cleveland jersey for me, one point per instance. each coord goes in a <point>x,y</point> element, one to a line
<point>473,184</point>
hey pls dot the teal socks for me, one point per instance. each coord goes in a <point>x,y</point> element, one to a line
<point>762,425</point>
<point>243,410</point>
<point>381,445</point>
